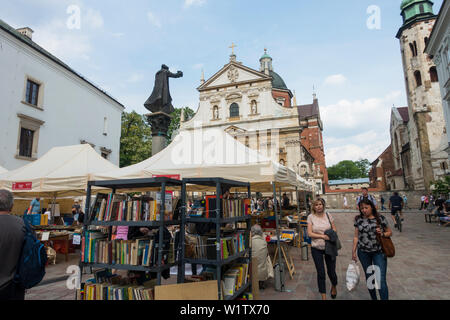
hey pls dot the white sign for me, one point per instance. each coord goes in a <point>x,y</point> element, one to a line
<point>76,239</point>
<point>45,236</point>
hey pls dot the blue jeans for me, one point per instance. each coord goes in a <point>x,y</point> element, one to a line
<point>378,259</point>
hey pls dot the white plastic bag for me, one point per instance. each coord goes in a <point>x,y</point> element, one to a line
<point>353,275</point>
<point>269,267</point>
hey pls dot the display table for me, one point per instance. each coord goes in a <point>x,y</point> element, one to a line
<point>57,233</point>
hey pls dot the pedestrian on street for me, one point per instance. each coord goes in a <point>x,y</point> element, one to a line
<point>345,203</point>
<point>422,202</point>
<point>396,205</point>
<point>382,202</point>
<point>405,201</point>
<point>367,248</point>
<point>427,200</point>
<point>365,195</point>
<point>319,222</point>
<point>261,254</point>
<point>12,233</point>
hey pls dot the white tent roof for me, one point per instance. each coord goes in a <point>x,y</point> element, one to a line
<point>3,170</point>
<point>61,171</point>
<point>211,153</point>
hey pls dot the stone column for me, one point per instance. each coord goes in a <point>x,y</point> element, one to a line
<point>159,122</point>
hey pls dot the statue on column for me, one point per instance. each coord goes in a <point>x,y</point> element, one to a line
<point>160,99</point>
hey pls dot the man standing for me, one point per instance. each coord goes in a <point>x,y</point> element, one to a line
<point>35,206</point>
<point>382,202</point>
<point>396,204</point>
<point>12,232</point>
<point>422,202</point>
<point>365,195</point>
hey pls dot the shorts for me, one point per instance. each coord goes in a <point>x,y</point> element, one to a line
<point>394,210</point>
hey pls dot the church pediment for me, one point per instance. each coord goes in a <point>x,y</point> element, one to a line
<point>233,74</point>
<point>232,130</point>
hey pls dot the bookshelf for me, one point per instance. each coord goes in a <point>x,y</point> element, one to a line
<point>245,255</point>
<point>160,183</point>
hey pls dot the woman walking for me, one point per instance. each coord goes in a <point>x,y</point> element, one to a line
<point>318,222</point>
<point>367,248</point>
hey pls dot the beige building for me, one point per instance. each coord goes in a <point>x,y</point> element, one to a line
<point>255,106</point>
<point>426,126</point>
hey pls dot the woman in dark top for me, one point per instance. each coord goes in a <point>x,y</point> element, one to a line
<point>367,248</point>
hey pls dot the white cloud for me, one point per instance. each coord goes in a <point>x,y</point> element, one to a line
<point>336,79</point>
<point>135,77</point>
<point>189,3</point>
<point>118,34</point>
<point>93,18</point>
<point>198,66</point>
<point>154,19</point>
<point>61,42</point>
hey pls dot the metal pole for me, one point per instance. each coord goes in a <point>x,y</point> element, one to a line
<point>218,244</point>
<point>161,231</point>
<point>280,262</point>
<point>181,263</point>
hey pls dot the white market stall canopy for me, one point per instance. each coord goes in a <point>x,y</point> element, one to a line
<point>2,170</point>
<point>62,171</point>
<point>207,154</point>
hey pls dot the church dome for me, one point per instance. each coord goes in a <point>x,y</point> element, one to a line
<point>277,81</point>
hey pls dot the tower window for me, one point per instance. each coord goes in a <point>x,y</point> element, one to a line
<point>433,74</point>
<point>418,78</point>
<point>234,110</point>
<point>415,49</point>
<point>426,41</point>
<point>421,8</point>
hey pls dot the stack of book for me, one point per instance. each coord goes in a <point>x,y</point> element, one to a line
<point>236,277</point>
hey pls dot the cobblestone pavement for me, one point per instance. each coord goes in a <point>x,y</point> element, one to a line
<point>419,270</point>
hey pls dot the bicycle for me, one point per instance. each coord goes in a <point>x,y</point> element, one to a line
<point>398,221</point>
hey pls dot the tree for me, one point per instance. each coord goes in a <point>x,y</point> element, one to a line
<point>364,166</point>
<point>135,140</point>
<point>348,169</point>
<point>441,186</point>
<point>175,123</point>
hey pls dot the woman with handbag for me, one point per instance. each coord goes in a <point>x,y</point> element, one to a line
<point>319,222</point>
<point>371,232</point>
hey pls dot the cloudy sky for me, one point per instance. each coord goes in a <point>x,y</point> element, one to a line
<point>346,49</point>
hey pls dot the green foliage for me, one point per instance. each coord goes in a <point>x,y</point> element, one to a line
<point>175,123</point>
<point>441,186</point>
<point>135,141</point>
<point>348,169</point>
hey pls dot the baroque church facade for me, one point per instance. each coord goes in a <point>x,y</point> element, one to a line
<point>418,132</point>
<point>257,108</point>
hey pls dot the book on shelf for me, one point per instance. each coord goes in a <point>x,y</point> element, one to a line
<point>235,278</point>
<point>108,291</point>
<point>231,208</point>
<point>118,207</point>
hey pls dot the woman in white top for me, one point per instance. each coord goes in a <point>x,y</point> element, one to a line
<point>318,222</point>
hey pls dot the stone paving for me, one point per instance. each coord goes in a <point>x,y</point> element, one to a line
<point>419,270</point>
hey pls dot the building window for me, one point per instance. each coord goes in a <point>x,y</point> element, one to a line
<point>26,143</point>
<point>421,8</point>
<point>28,137</point>
<point>234,110</point>
<point>105,126</point>
<point>32,93</point>
<point>418,78</point>
<point>426,41</point>
<point>433,74</point>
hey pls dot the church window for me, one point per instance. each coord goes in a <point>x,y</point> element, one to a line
<point>433,74</point>
<point>412,49</point>
<point>415,48</point>
<point>421,8</point>
<point>27,144</point>
<point>418,78</point>
<point>234,110</point>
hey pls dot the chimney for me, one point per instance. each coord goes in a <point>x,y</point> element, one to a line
<point>27,32</point>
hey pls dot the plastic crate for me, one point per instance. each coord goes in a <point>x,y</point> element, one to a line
<point>33,219</point>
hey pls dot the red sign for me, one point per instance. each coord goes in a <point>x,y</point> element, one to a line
<point>170,176</point>
<point>22,185</point>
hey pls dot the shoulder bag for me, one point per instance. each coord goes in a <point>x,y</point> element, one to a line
<point>386,243</point>
<point>338,242</point>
